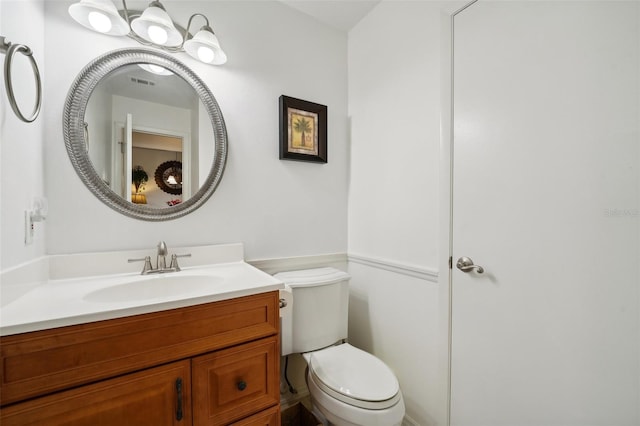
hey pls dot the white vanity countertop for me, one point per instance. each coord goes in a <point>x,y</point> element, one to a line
<point>61,302</point>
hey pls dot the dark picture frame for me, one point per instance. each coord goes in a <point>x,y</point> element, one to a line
<point>303,130</point>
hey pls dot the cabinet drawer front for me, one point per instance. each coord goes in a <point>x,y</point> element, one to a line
<point>149,397</point>
<point>270,417</point>
<point>234,383</point>
<point>41,362</point>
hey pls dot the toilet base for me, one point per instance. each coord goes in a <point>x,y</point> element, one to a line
<point>338,413</point>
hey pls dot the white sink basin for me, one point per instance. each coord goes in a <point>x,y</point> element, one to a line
<point>155,287</point>
<point>61,291</point>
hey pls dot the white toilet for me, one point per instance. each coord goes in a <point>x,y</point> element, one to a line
<point>348,386</point>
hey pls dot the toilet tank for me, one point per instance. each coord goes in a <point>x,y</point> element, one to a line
<point>320,310</point>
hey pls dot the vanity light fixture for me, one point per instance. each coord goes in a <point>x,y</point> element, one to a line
<point>155,26</point>
<point>99,15</point>
<point>151,27</point>
<point>204,46</point>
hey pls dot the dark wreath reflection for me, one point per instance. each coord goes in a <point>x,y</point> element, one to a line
<point>169,177</point>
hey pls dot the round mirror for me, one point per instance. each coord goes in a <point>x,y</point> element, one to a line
<point>145,134</point>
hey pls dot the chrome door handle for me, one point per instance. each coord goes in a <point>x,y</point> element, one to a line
<point>465,264</point>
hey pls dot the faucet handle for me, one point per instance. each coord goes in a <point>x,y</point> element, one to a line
<point>162,249</point>
<point>147,264</point>
<point>174,261</point>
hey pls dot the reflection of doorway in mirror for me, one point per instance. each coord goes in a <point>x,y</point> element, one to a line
<point>149,150</point>
<point>123,152</point>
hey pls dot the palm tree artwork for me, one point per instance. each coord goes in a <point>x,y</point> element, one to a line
<point>302,125</point>
<point>303,130</point>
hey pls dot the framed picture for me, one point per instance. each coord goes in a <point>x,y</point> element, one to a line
<point>303,130</point>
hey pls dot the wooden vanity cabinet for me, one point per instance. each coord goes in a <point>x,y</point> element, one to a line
<point>269,417</point>
<point>210,364</point>
<point>149,397</point>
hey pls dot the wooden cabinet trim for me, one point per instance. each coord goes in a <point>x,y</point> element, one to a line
<point>268,417</point>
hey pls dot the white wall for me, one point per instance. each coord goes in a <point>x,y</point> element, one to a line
<point>276,208</point>
<point>394,111</point>
<point>21,144</point>
<point>146,114</point>
<point>395,93</point>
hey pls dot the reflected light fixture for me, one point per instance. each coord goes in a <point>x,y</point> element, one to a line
<point>155,69</point>
<point>151,27</point>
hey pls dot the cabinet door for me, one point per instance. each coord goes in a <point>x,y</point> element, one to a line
<point>234,383</point>
<point>156,397</point>
<point>270,417</point>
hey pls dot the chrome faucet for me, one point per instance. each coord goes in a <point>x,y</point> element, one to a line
<point>161,261</point>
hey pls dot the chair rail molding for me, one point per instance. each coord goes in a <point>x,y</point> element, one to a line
<point>427,274</point>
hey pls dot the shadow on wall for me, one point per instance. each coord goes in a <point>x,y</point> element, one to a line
<point>360,320</point>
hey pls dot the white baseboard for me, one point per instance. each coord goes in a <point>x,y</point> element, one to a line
<point>408,421</point>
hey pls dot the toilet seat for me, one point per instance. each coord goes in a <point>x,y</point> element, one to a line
<point>354,377</point>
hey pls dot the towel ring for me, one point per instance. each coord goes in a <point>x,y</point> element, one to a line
<point>10,50</point>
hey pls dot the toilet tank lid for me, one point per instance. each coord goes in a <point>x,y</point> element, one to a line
<point>312,277</point>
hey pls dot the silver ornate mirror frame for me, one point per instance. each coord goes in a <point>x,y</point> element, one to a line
<point>74,132</point>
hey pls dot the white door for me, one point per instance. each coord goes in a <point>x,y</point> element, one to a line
<point>122,157</point>
<point>545,199</point>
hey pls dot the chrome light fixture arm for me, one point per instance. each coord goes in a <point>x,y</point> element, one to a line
<point>187,34</point>
<point>125,13</point>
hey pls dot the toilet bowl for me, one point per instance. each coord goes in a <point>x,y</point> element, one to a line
<point>348,386</point>
<point>351,387</point>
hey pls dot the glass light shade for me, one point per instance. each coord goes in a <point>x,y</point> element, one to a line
<point>205,47</point>
<point>155,26</point>
<point>99,15</point>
